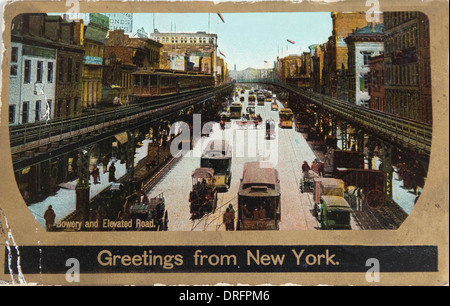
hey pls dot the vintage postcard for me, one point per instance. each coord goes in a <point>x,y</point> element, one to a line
<point>184,142</point>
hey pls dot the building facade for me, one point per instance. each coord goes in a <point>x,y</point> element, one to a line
<point>316,52</point>
<point>362,43</point>
<point>69,66</point>
<point>32,70</point>
<point>335,49</point>
<point>376,82</point>
<point>407,65</point>
<point>94,42</point>
<point>188,51</point>
<point>123,56</point>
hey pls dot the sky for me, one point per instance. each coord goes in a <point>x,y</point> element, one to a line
<point>247,39</point>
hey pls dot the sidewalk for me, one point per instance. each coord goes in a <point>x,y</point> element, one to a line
<point>63,202</point>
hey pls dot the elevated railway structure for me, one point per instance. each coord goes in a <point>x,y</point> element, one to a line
<point>36,142</point>
<point>413,135</point>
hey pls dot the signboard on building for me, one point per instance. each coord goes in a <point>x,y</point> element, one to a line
<point>177,62</point>
<point>195,59</point>
<point>121,21</point>
<point>92,60</point>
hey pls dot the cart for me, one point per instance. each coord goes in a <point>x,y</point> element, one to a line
<point>307,181</point>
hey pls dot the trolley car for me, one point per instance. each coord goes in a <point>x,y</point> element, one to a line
<point>217,155</point>
<point>286,117</point>
<point>259,198</point>
<point>236,110</point>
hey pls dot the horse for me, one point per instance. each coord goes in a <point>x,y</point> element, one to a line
<point>357,194</point>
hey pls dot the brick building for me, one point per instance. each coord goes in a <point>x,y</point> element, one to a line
<point>407,65</point>
<point>68,94</point>
<point>376,82</point>
<point>317,53</point>
<point>123,55</point>
<point>335,49</point>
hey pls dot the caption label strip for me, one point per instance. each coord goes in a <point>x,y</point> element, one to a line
<point>219,259</point>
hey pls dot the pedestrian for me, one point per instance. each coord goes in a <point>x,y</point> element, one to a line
<point>112,173</point>
<point>305,167</point>
<point>321,168</point>
<point>228,219</point>
<point>96,174</point>
<point>49,217</point>
<point>142,198</point>
<point>315,166</point>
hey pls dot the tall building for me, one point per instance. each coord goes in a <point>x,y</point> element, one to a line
<point>94,43</point>
<point>68,94</point>
<point>362,43</point>
<point>407,65</point>
<point>317,57</point>
<point>335,56</point>
<point>288,67</point>
<point>188,51</point>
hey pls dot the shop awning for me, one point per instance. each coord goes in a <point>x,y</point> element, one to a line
<point>122,137</point>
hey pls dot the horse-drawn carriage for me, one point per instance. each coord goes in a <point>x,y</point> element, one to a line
<point>307,181</point>
<point>147,214</point>
<point>203,197</point>
<point>331,208</point>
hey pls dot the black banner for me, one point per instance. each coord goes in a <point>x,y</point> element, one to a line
<point>217,258</point>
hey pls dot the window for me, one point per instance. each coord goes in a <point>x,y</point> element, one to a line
<point>69,69</point>
<point>60,70</point>
<point>39,71</point>
<point>12,114</point>
<point>13,70</point>
<point>37,111</point>
<point>77,71</point>
<point>50,72</point>
<point>27,72</point>
<point>366,56</point>
<point>14,58</point>
<point>25,112</point>
<point>14,54</point>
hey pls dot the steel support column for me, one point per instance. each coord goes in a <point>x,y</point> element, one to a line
<point>82,188</point>
<point>387,168</point>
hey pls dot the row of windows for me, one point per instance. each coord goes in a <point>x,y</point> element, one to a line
<point>93,50</point>
<point>403,104</point>
<point>184,40</point>
<point>69,70</point>
<point>392,19</point>
<point>27,68</point>
<point>402,74</point>
<point>402,39</point>
<point>25,111</point>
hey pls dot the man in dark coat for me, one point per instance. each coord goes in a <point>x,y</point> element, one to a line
<point>49,217</point>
